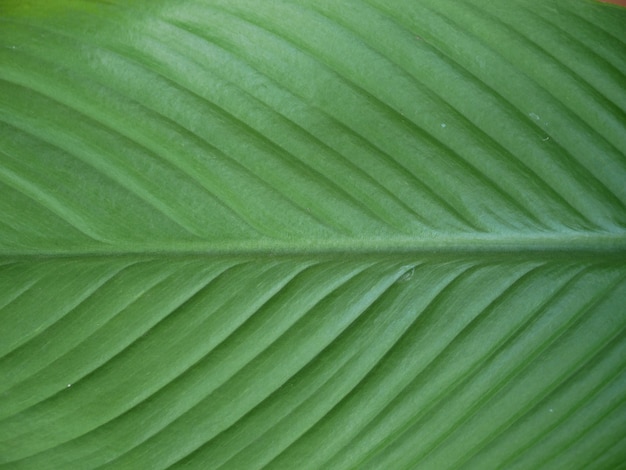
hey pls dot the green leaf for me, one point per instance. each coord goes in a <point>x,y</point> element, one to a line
<point>312,234</point>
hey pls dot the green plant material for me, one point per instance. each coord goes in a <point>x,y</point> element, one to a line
<point>312,234</point>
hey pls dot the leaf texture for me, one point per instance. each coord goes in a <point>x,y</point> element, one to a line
<point>312,234</point>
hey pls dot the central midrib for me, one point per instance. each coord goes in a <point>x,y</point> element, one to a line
<point>599,243</point>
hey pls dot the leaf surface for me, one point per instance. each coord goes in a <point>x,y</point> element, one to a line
<point>312,234</point>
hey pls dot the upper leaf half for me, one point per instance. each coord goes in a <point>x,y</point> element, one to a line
<point>299,125</point>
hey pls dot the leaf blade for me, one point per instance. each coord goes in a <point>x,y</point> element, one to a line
<point>313,234</point>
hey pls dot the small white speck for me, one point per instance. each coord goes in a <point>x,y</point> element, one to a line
<point>551,410</point>
<point>546,139</point>
<point>443,125</point>
<point>69,385</point>
<point>534,116</point>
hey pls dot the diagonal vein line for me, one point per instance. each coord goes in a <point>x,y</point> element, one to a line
<point>146,399</point>
<point>16,294</point>
<point>534,46</point>
<point>30,286</point>
<point>467,271</point>
<point>588,429</point>
<point>145,195</point>
<point>328,345</point>
<point>346,360</point>
<point>187,172</point>
<point>422,185</point>
<point>515,159</point>
<point>193,293</point>
<point>223,202</point>
<point>584,434</point>
<point>158,281</point>
<point>617,463</point>
<point>86,294</point>
<point>581,403</point>
<point>469,167</point>
<point>437,97</point>
<point>553,389</point>
<point>294,126</point>
<point>596,26</point>
<point>429,136</point>
<point>8,263</point>
<point>591,178</point>
<point>33,339</point>
<point>284,283</point>
<point>219,110</point>
<point>162,156</point>
<point>286,158</point>
<point>215,108</point>
<point>431,192</point>
<point>445,393</point>
<point>47,200</point>
<point>595,55</point>
<point>577,318</point>
<point>9,228</point>
<point>457,383</point>
<point>198,291</point>
<point>389,160</point>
